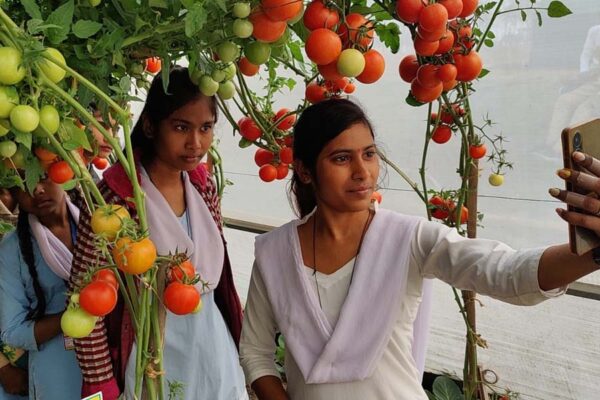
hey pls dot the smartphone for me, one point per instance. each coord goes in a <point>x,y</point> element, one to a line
<point>583,137</point>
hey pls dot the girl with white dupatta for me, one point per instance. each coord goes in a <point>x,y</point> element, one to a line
<point>170,138</point>
<point>344,283</point>
<point>35,264</point>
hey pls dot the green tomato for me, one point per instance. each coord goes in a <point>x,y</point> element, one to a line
<point>51,70</point>
<point>24,118</point>
<point>11,71</point>
<point>257,52</point>
<point>77,323</point>
<point>242,28</point>
<point>17,159</point>
<point>4,127</point>
<point>94,3</point>
<point>228,52</point>
<point>351,63</point>
<point>241,10</point>
<point>218,74</point>
<point>9,98</point>
<point>8,148</point>
<point>195,76</point>
<point>230,71</point>
<point>496,179</point>
<point>49,118</point>
<point>226,90</point>
<point>208,86</point>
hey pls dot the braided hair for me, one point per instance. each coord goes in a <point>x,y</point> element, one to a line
<point>26,245</point>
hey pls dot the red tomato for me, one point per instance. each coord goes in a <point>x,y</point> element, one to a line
<point>431,36</point>
<point>427,76</point>
<point>153,64</point>
<point>469,6</point>
<point>408,68</point>
<point>454,7</point>
<point>98,298</point>
<point>282,171</point>
<point>446,42</point>
<point>468,66</point>
<point>329,71</point>
<point>180,298</point>
<point>285,123</point>
<point>265,29</point>
<point>441,134</point>
<point>181,272</point>
<point>281,10</point>
<point>409,10</point>
<point>317,15</point>
<point>100,163</point>
<point>60,172</point>
<point>440,207</point>
<point>106,275</point>
<point>425,48</point>
<point>247,68</point>
<point>315,93</point>
<point>262,157</point>
<point>477,151</point>
<point>356,29</point>
<point>44,154</point>
<point>433,18</point>
<point>350,88</point>
<point>425,95</point>
<point>268,173</point>
<point>249,129</point>
<point>447,73</point>
<point>286,155</point>
<point>374,67</point>
<point>323,46</point>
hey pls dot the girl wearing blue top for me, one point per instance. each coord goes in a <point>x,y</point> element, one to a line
<point>34,264</point>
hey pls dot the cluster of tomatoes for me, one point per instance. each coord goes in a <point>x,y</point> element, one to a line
<point>445,209</point>
<point>273,165</point>
<point>341,49</point>
<point>181,296</point>
<point>443,43</point>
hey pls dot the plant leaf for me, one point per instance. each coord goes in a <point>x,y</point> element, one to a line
<point>63,17</point>
<point>390,36</point>
<point>83,29</point>
<point>32,9</point>
<point>483,73</point>
<point>33,172</point>
<point>445,388</point>
<point>195,19</point>
<point>557,9</point>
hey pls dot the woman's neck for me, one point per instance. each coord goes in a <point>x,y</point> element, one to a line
<point>58,219</point>
<point>339,225</point>
<point>163,176</point>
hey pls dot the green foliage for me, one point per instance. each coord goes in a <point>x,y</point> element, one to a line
<point>445,388</point>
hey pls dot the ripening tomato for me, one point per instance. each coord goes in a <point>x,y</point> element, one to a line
<point>100,163</point>
<point>282,171</point>
<point>376,196</point>
<point>281,10</point>
<point>454,7</point>
<point>60,172</point>
<point>441,134</point>
<point>440,207</point>
<point>44,154</point>
<point>284,123</point>
<point>263,156</point>
<point>449,85</point>
<point>423,94</point>
<point>447,72</point>
<point>286,155</point>
<point>180,298</point>
<point>374,67</point>
<point>469,6</point>
<point>337,85</point>
<point>464,215</point>
<point>315,93</point>
<point>427,76</point>
<point>356,29</point>
<point>134,257</point>
<point>468,67</point>
<point>496,179</point>
<point>351,63</point>
<point>11,68</point>
<point>98,298</point>
<point>257,52</point>
<point>182,272</point>
<point>107,220</point>
<point>317,15</point>
<point>106,275</point>
<point>350,88</point>
<point>409,10</point>
<point>323,46</point>
<point>77,323</point>
<point>153,64</point>
<point>265,29</point>
<point>247,68</point>
<point>267,173</point>
<point>329,71</point>
<point>249,129</point>
<point>477,151</point>
<point>408,68</point>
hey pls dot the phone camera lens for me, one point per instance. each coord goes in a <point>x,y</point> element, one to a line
<point>577,141</point>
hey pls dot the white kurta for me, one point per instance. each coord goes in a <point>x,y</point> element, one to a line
<point>490,267</point>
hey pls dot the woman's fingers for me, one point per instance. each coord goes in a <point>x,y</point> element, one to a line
<point>591,222</point>
<point>588,162</point>
<point>580,180</point>
<point>591,204</point>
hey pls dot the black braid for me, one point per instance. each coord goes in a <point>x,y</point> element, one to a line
<point>26,244</point>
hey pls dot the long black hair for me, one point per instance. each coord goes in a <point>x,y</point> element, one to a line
<point>318,125</point>
<point>160,104</point>
<point>26,245</point>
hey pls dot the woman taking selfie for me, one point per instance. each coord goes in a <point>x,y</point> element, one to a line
<point>172,135</point>
<point>347,315</point>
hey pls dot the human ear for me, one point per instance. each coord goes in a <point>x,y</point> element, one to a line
<point>303,172</point>
<point>147,127</point>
